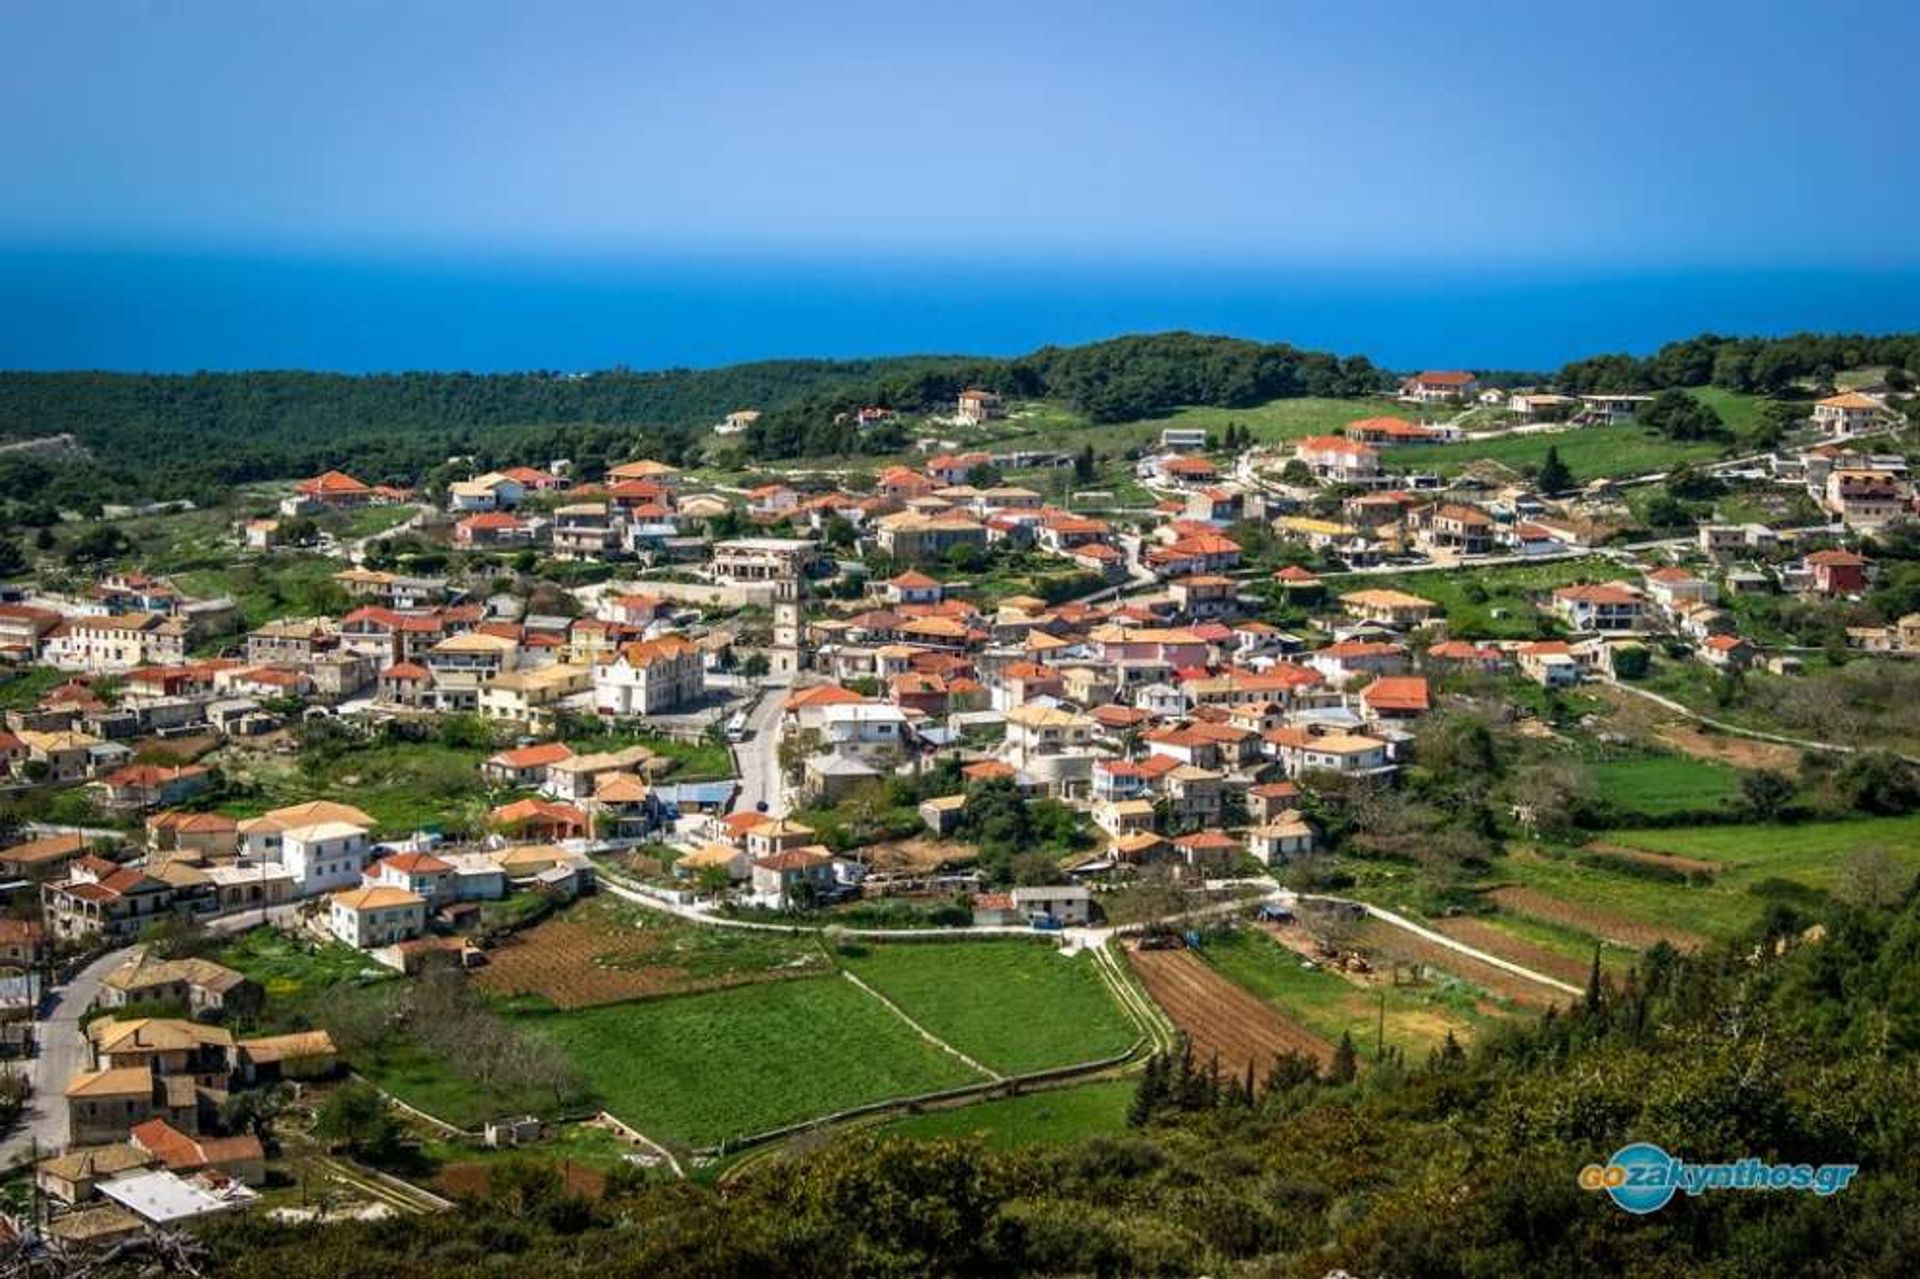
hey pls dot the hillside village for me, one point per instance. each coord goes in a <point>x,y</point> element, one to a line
<point>986,689</point>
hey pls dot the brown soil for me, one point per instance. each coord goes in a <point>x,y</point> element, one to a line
<point>919,855</point>
<point>1389,944</point>
<point>475,1181</point>
<point>1219,1018</point>
<point>1483,936</point>
<point>579,961</point>
<point>1627,853</point>
<point>1599,923</point>
<point>1741,752</point>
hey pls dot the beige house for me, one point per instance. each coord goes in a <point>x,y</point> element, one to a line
<point>1388,608</point>
<point>366,918</point>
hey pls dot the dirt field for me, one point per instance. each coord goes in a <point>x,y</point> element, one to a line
<point>1634,715</point>
<point>584,958</point>
<point>1389,945</point>
<point>919,855</point>
<point>1482,936</point>
<point>1603,924</point>
<point>1688,865</point>
<point>475,1181</point>
<point>1741,752</point>
<point>1219,1017</point>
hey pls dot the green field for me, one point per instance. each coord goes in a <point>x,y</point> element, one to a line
<point>1812,853</point>
<point>1417,1017</point>
<point>365,521</point>
<point>1053,1117</point>
<point>701,1069</point>
<point>1661,785</point>
<point>1471,596</point>
<point>285,584</point>
<point>1759,864</point>
<point>401,785</point>
<point>1013,1006</point>
<point>1276,420</point>
<point>1592,452</point>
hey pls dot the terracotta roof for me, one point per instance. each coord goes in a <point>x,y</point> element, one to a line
<point>1397,693</point>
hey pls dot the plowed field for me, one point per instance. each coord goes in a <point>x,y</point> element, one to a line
<point>1220,1018</point>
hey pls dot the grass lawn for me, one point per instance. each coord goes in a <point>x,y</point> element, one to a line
<point>1661,785</point>
<point>1057,1116</point>
<point>1812,853</point>
<point>1013,1006</point>
<point>366,521</point>
<point>1589,452</point>
<point>1418,1017</point>
<point>1740,412</point>
<point>702,1069</point>
<point>1760,864</point>
<point>1471,596</point>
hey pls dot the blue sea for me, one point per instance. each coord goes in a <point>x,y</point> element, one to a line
<point>181,311</point>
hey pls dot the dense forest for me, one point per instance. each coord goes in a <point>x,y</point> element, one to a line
<point>1765,366</point>
<point>158,436</point>
<point>1113,381</point>
<point>168,436</point>
<point>1797,1044</point>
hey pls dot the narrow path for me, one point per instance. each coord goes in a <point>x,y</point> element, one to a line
<point>1386,916</point>
<point>922,1031</point>
<point>1147,1015</point>
<point>1758,735</point>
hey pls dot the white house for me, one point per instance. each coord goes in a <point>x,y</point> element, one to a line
<point>863,728</point>
<point>369,917</point>
<point>324,856</point>
<point>649,676</point>
<point>1068,903</point>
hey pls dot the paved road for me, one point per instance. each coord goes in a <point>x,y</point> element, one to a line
<point>758,756</point>
<point>63,1053</point>
<point>63,1047</point>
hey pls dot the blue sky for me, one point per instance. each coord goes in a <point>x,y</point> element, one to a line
<point>1432,135</point>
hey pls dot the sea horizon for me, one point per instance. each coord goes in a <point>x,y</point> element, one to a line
<point>364,313</point>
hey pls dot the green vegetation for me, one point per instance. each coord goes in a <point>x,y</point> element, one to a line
<point>1775,1045</point>
<point>1657,786</point>
<point>1759,867</point>
<point>1591,453</point>
<point>1811,853</point>
<point>1418,1017</point>
<point>701,1069</point>
<point>403,786</point>
<point>285,584</point>
<point>1472,596</point>
<point>25,687</point>
<point>294,970</point>
<point>1270,423</point>
<point>1013,1006</point>
<point>1051,1117</point>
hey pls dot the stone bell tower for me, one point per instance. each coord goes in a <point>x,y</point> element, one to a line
<point>788,657</point>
